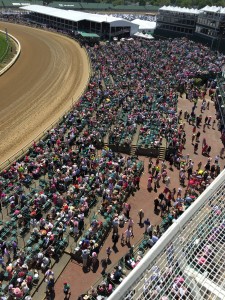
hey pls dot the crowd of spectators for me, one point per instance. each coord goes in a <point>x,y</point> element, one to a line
<point>136,82</point>
<point>131,17</point>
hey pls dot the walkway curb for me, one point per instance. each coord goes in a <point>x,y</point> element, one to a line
<point>11,63</point>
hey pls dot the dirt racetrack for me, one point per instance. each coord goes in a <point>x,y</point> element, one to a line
<point>51,73</point>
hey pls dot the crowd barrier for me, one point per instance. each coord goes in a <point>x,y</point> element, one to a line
<point>12,62</point>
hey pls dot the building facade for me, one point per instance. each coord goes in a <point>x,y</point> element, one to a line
<point>176,21</point>
<point>73,21</point>
<point>210,26</point>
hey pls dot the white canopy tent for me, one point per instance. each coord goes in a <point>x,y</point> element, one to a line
<point>178,9</point>
<point>144,35</point>
<point>145,25</point>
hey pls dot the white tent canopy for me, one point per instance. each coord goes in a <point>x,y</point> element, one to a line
<point>144,25</point>
<point>214,9</point>
<point>180,9</point>
<point>144,36</point>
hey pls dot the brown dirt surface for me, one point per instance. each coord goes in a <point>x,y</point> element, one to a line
<point>50,74</point>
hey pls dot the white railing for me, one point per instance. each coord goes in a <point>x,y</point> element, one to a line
<point>189,258</point>
<point>18,50</point>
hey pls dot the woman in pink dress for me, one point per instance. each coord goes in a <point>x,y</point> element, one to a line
<point>149,183</point>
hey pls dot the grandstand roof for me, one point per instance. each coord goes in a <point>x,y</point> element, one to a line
<point>180,9</point>
<point>75,16</point>
<point>214,9</point>
<point>144,25</point>
<point>189,259</point>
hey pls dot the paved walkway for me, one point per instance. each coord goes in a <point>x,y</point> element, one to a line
<point>74,274</point>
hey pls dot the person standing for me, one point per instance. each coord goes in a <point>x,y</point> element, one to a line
<point>85,255</point>
<point>115,224</point>
<point>127,208</point>
<point>66,289</point>
<point>141,216</point>
<point>115,239</point>
<point>108,252</point>
<point>131,226</point>
<point>2,263</point>
<point>94,258</point>
<point>149,186</point>
<point>149,230</point>
<point>204,126</point>
<point>167,181</point>
<point>137,181</point>
<point>195,148</point>
<point>14,248</point>
<point>197,136</point>
<point>51,283</point>
<point>209,120</point>
<point>208,150</point>
<point>128,234</point>
<point>104,265</point>
<point>156,204</point>
<point>150,164</point>
<point>146,223</point>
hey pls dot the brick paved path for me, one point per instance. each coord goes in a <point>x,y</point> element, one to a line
<point>74,274</point>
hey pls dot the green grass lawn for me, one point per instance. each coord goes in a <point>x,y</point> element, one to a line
<point>3,46</point>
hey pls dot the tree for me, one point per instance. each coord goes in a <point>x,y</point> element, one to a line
<point>142,2</point>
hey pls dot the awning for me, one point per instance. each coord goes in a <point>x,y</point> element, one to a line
<point>86,34</point>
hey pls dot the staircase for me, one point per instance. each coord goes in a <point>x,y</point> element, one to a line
<point>133,150</point>
<point>112,81</point>
<point>135,141</point>
<point>162,150</point>
<point>103,84</point>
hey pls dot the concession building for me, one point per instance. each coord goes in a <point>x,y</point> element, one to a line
<point>75,21</point>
